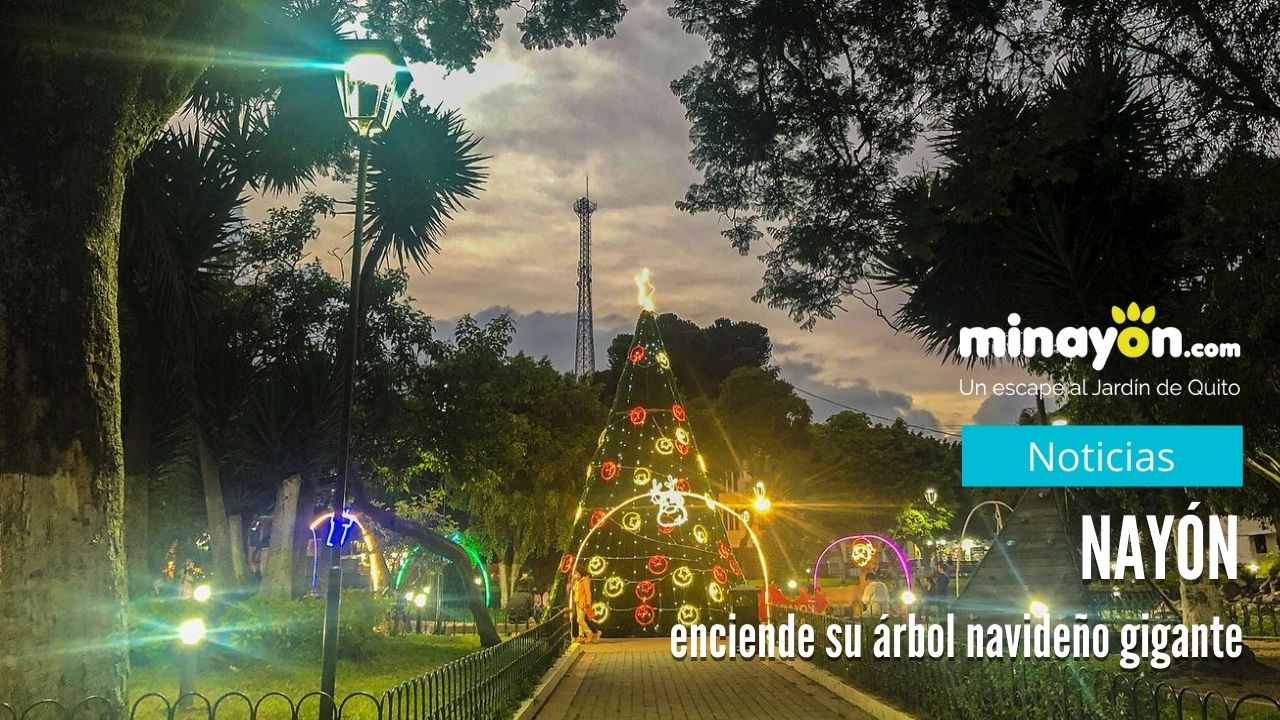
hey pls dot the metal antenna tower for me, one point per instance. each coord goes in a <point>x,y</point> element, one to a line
<point>584,350</point>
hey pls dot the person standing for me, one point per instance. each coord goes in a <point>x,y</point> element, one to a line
<point>588,629</point>
<point>875,597</point>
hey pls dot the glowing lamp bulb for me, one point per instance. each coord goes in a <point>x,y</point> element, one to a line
<point>420,600</point>
<point>1038,609</point>
<point>908,598</point>
<point>192,631</point>
<point>370,69</point>
<point>967,543</point>
<point>792,584</point>
<point>761,504</point>
<point>202,593</point>
<point>408,597</point>
<point>477,581</point>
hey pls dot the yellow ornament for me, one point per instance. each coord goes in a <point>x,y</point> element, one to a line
<point>631,521</point>
<point>642,476</point>
<point>614,586</point>
<point>715,592</point>
<point>687,615</point>
<point>700,534</point>
<point>596,565</point>
<point>682,576</point>
<point>664,446</point>
<point>601,611</point>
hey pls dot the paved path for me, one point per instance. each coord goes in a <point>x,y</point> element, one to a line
<point>623,679</point>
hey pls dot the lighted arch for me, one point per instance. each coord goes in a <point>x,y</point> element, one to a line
<point>471,553</point>
<point>712,503</point>
<point>375,577</point>
<point>902,557</point>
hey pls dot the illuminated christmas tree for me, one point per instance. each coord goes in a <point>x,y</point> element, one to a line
<point>646,531</point>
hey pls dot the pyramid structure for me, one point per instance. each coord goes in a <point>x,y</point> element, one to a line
<point>654,548</point>
<point>1035,558</point>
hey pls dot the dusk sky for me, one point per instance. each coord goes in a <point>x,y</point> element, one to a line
<point>548,120</point>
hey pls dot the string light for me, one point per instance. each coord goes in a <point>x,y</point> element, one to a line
<point>635,556</point>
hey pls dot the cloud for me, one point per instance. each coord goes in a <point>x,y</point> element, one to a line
<point>548,334</point>
<point>551,118</point>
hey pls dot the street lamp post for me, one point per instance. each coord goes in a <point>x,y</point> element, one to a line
<point>371,83</point>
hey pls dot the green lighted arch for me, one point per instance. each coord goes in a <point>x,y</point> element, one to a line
<point>471,553</point>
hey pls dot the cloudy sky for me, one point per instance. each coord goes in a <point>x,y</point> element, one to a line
<point>549,119</point>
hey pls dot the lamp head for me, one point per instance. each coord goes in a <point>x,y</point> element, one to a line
<point>372,80</point>
<point>192,632</point>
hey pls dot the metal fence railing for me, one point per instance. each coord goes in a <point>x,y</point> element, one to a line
<point>485,685</point>
<point>965,689</point>
<point>1254,619</point>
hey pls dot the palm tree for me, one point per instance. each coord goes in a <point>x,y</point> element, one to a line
<point>272,130</point>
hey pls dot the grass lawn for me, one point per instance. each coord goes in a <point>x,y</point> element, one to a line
<point>389,661</point>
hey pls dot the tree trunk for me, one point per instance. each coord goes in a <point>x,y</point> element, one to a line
<point>277,576</point>
<point>137,496</point>
<point>434,542</point>
<point>215,511</point>
<point>235,533</point>
<point>304,566</point>
<point>88,108</point>
<point>62,561</point>
<point>504,588</point>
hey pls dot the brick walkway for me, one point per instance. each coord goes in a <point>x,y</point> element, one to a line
<point>638,680</point>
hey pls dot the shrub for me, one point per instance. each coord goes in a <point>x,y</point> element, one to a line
<point>272,626</point>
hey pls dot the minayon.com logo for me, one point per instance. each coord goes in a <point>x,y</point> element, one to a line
<point>1132,338</point>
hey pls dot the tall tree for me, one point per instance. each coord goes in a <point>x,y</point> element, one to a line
<point>804,111</point>
<point>96,83</point>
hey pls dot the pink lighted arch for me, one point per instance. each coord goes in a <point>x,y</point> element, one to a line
<point>902,557</point>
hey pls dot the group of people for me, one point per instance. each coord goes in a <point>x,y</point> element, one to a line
<point>933,592</point>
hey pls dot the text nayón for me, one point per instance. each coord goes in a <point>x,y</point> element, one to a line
<point>1200,545</point>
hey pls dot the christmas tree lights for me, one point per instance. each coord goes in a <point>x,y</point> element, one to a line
<point>650,537</point>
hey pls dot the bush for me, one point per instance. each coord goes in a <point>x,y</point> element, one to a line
<point>272,626</point>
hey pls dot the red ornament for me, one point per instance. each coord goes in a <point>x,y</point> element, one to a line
<point>637,354</point>
<point>597,518</point>
<point>667,530</point>
<point>734,566</point>
<point>677,411</point>
<point>645,590</point>
<point>637,415</point>
<point>658,564</point>
<point>723,549</point>
<point>608,470</point>
<point>682,484</point>
<point>682,448</point>
<point>566,563</point>
<point>645,615</point>
<point>720,575</point>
